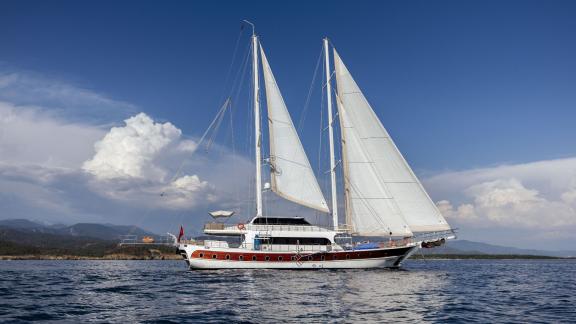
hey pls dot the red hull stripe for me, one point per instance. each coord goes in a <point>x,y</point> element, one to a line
<point>291,257</point>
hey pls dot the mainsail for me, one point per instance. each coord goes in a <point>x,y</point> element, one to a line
<point>292,176</point>
<point>384,197</point>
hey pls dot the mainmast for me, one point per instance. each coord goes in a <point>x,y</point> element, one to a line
<point>331,137</point>
<point>258,135</point>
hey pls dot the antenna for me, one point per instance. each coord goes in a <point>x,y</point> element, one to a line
<point>251,24</point>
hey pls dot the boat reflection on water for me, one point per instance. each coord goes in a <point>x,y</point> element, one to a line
<point>372,295</point>
<point>111,290</point>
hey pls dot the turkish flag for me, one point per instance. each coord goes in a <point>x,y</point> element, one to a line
<point>181,233</point>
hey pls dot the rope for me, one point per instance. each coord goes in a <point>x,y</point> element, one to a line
<point>218,117</point>
<point>233,60</point>
<point>310,90</point>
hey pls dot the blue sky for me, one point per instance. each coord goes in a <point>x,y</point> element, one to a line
<point>460,85</point>
<point>491,80</point>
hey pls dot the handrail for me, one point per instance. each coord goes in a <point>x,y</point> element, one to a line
<point>208,244</point>
<point>264,227</point>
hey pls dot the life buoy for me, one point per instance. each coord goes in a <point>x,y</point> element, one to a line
<point>241,226</point>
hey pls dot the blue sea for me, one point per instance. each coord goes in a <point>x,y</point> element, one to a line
<point>440,291</point>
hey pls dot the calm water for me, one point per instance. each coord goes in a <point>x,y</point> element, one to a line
<point>425,291</point>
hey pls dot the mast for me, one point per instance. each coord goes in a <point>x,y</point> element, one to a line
<point>331,137</point>
<point>258,135</point>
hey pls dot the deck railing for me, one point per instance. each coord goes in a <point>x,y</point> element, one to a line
<point>263,227</point>
<point>208,244</point>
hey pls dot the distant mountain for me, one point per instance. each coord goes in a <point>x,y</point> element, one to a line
<point>99,231</point>
<point>35,235</point>
<point>104,232</point>
<point>468,247</point>
<point>22,223</point>
<point>20,243</point>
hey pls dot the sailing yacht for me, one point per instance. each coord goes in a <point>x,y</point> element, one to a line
<point>386,207</point>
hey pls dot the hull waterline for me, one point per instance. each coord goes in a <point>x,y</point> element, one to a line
<point>200,258</point>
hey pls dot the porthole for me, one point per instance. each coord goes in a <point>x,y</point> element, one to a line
<point>347,256</point>
<point>227,256</point>
<point>310,258</point>
<point>253,258</point>
<point>214,256</point>
<point>241,258</point>
<point>201,255</point>
<point>293,258</point>
<point>322,258</point>
<point>267,258</point>
<point>280,258</point>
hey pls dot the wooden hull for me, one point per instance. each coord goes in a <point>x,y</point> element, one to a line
<point>198,257</point>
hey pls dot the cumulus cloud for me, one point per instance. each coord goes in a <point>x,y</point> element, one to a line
<point>187,191</point>
<point>134,162</point>
<point>61,161</point>
<point>130,151</point>
<point>538,195</point>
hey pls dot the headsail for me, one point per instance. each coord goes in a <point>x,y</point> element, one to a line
<point>384,195</point>
<point>292,175</point>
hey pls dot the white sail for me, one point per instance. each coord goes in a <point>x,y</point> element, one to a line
<point>383,192</point>
<point>292,176</point>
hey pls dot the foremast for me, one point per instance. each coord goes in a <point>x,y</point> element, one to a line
<point>257,132</point>
<point>331,135</point>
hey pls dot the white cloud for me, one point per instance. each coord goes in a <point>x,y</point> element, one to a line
<point>130,151</point>
<point>187,191</point>
<point>133,163</point>
<point>538,196</point>
<point>62,98</point>
<point>31,135</point>
<point>51,169</point>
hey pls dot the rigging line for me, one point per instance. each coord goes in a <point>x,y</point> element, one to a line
<point>240,74</point>
<point>234,53</point>
<point>218,116</point>
<point>310,90</point>
<point>234,158</point>
<point>226,104</point>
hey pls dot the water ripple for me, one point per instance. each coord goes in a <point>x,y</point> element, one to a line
<point>471,291</point>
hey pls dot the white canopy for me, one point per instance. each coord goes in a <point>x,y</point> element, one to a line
<point>221,213</point>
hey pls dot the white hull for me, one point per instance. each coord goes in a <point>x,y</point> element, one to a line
<point>357,263</point>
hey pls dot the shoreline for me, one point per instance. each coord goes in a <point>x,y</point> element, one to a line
<point>111,257</point>
<point>171,257</point>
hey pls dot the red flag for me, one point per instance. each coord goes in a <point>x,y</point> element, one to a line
<point>181,233</point>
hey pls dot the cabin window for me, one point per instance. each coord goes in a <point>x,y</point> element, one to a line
<point>299,241</point>
<point>267,258</point>
<point>253,258</point>
<point>201,255</point>
<point>293,258</point>
<point>347,256</point>
<point>310,258</point>
<point>214,256</point>
<point>241,258</point>
<point>280,221</point>
<point>280,258</point>
<point>227,256</point>
<point>322,258</point>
